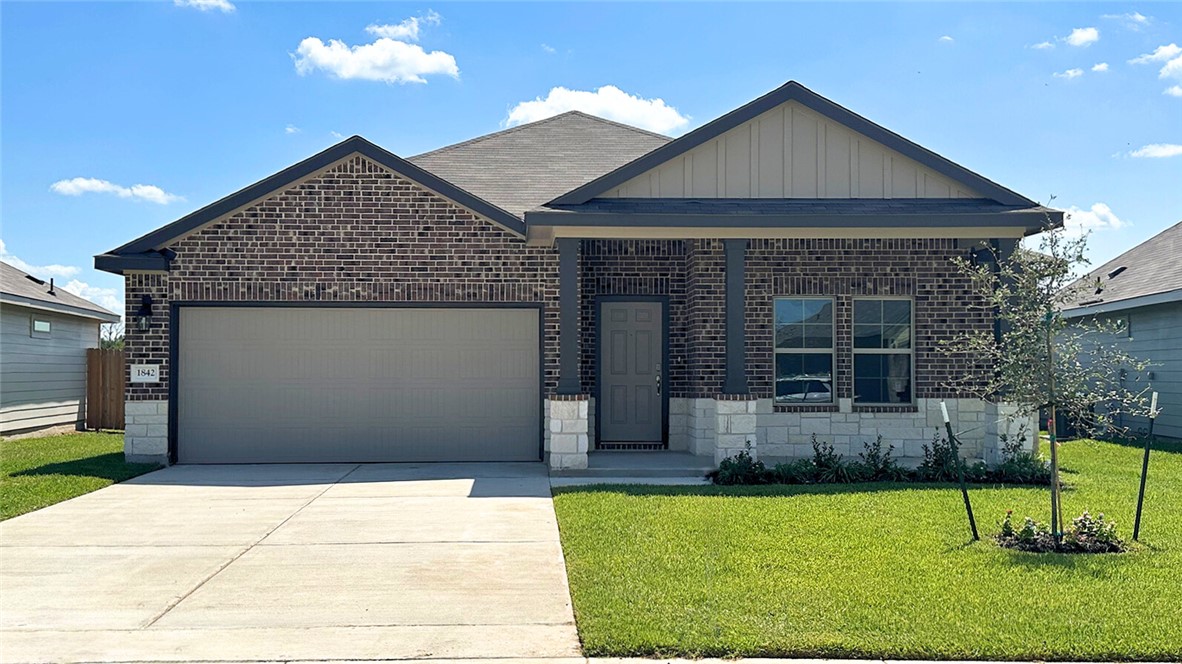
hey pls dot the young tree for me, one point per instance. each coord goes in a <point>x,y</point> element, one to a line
<point>1036,358</point>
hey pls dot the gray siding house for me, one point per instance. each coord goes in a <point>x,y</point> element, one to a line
<point>1142,291</point>
<point>44,334</point>
<point>570,287</point>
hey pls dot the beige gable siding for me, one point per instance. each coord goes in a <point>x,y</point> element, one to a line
<point>791,152</point>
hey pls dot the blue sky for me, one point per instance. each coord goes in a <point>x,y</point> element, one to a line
<point>120,117</point>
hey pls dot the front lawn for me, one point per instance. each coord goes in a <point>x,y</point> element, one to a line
<point>875,570</point>
<point>36,472</point>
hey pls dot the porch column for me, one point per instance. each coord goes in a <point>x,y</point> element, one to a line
<point>568,316</point>
<point>736,360</point>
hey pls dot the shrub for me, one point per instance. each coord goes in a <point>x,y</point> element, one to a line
<point>800,471</point>
<point>1018,466</point>
<point>831,467</point>
<point>1088,534</point>
<point>878,465</point>
<point>939,463</point>
<point>740,469</point>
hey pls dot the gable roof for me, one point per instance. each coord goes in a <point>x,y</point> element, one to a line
<point>1152,274</point>
<point>792,91</point>
<point>143,253</point>
<point>21,288</point>
<point>522,168</point>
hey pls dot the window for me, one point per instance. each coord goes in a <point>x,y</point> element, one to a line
<point>804,350</point>
<point>39,328</point>
<point>882,351</point>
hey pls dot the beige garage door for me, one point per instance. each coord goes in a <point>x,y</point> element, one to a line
<point>272,384</point>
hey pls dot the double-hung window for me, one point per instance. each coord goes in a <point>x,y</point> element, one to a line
<point>883,351</point>
<point>804,350</point>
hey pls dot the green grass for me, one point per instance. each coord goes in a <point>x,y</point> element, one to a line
<point>36,472</point>
<point>876,570</point>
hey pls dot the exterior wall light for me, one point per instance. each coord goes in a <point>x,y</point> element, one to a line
<point>143,316</point>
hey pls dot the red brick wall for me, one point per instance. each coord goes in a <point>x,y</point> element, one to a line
<point>921,269</point>
<point>634,267</point>
<point>357,233</point>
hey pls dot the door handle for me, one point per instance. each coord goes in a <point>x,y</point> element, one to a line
<point>658,380</point>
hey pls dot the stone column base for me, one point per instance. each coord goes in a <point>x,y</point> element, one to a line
<point>735,421</point>
<point>567,431</point>
<point>145,432</point>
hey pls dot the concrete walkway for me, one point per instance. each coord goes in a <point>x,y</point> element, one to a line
<point>293,562</point>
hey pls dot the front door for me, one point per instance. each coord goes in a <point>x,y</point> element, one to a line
<point>631,394</point>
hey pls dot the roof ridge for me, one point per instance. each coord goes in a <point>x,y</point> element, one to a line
<point>535,123</point>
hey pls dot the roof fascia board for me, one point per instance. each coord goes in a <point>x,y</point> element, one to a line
<point>1123,305</point>
<point>143,262</point>
<point>28,303</point>
<point>1030,221</point>
<point>791,91</point>
<point>318,162</point>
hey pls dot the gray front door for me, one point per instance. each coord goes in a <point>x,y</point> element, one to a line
<point>631,372</point>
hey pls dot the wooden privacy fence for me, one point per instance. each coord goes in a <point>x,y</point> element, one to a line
<point>104,388</point>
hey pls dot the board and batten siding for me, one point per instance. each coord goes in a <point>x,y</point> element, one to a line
<point>43,380</point>
<point>1155,334</point>
<point>791,152</point>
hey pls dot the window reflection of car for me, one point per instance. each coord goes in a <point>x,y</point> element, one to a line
<point>804,389</point>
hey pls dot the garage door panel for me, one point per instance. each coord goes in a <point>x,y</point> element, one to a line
<point>357,384</point>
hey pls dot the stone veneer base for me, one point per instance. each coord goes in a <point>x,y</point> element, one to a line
<point>145,431</point>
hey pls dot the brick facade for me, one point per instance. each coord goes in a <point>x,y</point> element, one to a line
<point>355,233</point>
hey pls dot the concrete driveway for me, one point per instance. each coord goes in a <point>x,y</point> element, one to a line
<point>267,562</point>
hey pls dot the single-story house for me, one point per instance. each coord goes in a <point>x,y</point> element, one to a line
<point>44,334</point>
<point>569,286</point>
<point>1141,291</point>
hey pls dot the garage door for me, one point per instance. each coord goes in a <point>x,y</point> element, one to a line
<point>280,384</point>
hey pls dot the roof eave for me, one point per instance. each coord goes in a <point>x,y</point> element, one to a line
<point>59,308</point>
<point>1029,221</point>
<point>149,261</point>
<point>1166,297</point>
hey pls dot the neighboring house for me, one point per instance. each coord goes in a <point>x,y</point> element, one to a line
<point>44,334</point>
<point>1141,290</point>
<point>569,286</point>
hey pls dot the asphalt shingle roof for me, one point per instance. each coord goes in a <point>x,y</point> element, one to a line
<point>521,168</point>
<point>1152,267</point>
<point>18,283</point>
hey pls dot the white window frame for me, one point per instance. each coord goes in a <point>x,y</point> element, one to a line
<point>855,351</point>
<point>40,334</point>
<point>831,351</point>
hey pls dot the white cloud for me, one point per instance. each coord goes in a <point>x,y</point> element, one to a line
<point>1100,66</point>
<point>1132,20</point>
<point>1098,218</point>
<point>1043,46</point>
<point>407,30</point>
<point>1083,37</point>
<point>39,271</point>
<point>108,298</point>
<point>1069,74</point>
<point>336,134</point>
<point>1172,69</point>
<point>1157,150</point>
<point>1173,91</point>
<point>1159,54</point>
<point>386,60</point>
<point>946,39</point>
<point>143,192</point>
<point>291,129</point>
<point>206,5</point>
<point>607,102</point>
<point>549,49</point>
